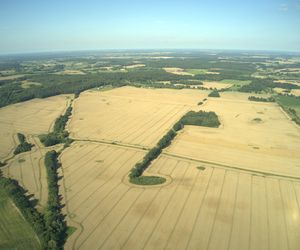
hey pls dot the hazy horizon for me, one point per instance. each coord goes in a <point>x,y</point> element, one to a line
<point>54,26</point>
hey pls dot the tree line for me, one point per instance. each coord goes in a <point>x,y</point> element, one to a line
<point>261,99</point>
<point>50,227</point>
<point>201,118</point>
<point>59,134</point>
<point>259,85</point>
<point>56,227</point>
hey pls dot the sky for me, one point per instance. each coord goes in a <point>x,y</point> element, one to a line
<point>67,25</point>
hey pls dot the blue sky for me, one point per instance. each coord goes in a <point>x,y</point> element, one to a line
<point>50,25</point>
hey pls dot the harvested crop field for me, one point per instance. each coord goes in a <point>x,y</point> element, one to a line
<point>216,85</point>
<point>229,209</point>
<point>295,92</point>
<point>4,78</point>
<point>254,136</point>
<point>70,72</point>
<point>178,71</point>
<point>133,66</point>
<point>32,117</point>
<point>129,115</point>
<point>29,170</point>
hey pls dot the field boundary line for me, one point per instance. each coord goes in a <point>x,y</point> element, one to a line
<point>114,143</point>
<point>267,211</point>
<point>233,168</point>
<point>234,209</point>
<point>251,212</point>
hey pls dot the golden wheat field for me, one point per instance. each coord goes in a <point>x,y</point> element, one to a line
<point>32,117</point>
<point>254,136</point>
<point>129,115</point>
<point>229,209</point>
<point>233,187</point>
<point>247,196</point>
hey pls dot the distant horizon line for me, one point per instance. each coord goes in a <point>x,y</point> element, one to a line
<point>145,50</point>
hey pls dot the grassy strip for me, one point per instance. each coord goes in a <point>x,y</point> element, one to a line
<point>24,146</point>
<point>59,134</point>
<point>292,113</point>
<point>56,227</point>
<point>18,195</point>
<point>261,99</point>
<point>201,118</point>
<point>290,104</point>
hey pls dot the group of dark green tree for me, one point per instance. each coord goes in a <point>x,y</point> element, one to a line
<point>24,146</point>
<point>261,99</point>
<point>259,85</point>
<point>56,227</point>
<point>59,134</point>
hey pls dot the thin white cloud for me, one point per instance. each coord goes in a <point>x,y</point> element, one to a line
<point>283,7</point>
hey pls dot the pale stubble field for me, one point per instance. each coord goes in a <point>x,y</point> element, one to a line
<point>247,197</point>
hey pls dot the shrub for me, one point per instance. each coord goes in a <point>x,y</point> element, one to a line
<point>214,93</point>
<point>148,180</point>
<point>261,99</point>
<point>201,118</point>
<point>24,146</point>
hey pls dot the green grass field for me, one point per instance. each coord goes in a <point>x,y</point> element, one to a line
<point>289,102</point>
<point>197,71</point>
<point>15,231</point>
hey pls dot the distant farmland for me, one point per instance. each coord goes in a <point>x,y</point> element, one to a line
<point>177,150</point>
